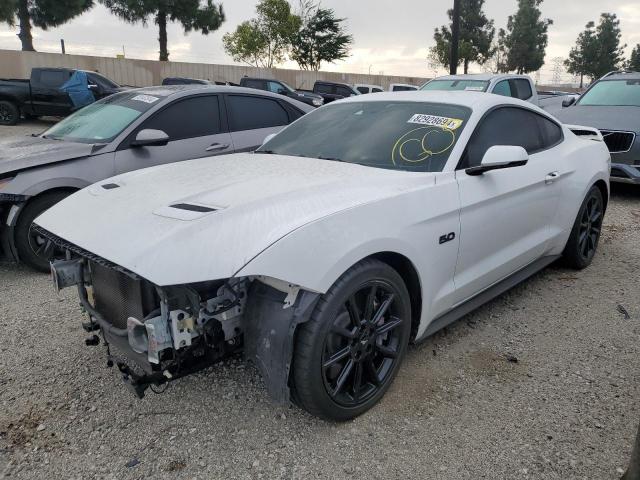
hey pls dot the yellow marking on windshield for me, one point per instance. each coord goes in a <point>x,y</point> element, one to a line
<point>421,136</point>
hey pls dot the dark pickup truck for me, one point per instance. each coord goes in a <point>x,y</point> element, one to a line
<point>277,86</point>
<point>41,94</point>
<point>331,91</point>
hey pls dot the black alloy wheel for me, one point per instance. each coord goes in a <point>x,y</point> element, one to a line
<point>585,234</point>
<point>349,352</point>
<point>590,227</point>
<point>363,345</point>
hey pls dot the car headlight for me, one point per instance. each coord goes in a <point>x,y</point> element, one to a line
<point>317,101</point>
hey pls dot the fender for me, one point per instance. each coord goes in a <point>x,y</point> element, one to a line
<point>70,183</point>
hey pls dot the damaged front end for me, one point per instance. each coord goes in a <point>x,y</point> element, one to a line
<point>160,334</point>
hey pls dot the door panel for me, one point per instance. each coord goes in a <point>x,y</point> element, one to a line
<point>194,128</point>
<point>134,158</point>
<point>47,98</point>
<point>506,214</point>
<point>505,219</point>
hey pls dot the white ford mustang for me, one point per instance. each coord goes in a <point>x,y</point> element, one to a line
<point>367,224</point>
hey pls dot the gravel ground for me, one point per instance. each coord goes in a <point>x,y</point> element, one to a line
<point>541,383</point>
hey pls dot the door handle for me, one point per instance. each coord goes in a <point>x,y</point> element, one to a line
<point>551,177</point>
<point>216,146</point>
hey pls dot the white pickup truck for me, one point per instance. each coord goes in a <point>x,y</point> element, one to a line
<point>507,84</point>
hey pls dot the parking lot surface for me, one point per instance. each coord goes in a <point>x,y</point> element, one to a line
<point>541,383</point>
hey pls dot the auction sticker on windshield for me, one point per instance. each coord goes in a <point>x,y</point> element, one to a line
<point>436,121</point>
<point>145,98</point>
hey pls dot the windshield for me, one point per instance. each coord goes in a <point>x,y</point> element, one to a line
<point>613,93</point>
<point>287,87</point>
<point>102,121</point>
<point>394,135</point>
<point>469,85</point>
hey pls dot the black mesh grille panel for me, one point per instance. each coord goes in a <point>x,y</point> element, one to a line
<point>618,141</point>
<point>118,296</point>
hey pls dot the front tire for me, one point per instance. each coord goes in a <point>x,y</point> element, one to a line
<point>585,234</point>
<point>9,113</point>
<point>347,355</point>
<point>33,249</point>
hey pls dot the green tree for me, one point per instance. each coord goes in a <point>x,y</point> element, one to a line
<point>321,38</point>
<point>526,38</point>
<point>597,49</point>
<point>634,61</point>
<point>583,54</point>
<point>264,41</point>
<point>476,36</point>
<point>40,13</point>
<point>192,14</point>
<point>609,54</point>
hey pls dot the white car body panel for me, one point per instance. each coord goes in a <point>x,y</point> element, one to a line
<point>307,221</point>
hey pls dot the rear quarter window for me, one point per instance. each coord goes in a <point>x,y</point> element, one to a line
<point>53,78</point>
<point>250,113</point>
<point>522,89</point>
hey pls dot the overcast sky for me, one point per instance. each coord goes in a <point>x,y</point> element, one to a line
<point>390,37</point>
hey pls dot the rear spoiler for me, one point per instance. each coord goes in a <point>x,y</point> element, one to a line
<point>589,133</point>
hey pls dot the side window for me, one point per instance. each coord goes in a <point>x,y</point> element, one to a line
<point>193,117</point>
<point>551,132</point>
<point>322,88</point>
<point>522,88</point>
<point>503,88</point>
<point>376,90</point>
<point>293,112</point>
<point>364,89</point>
<point>503,126</point>
<point>344,91</point>
<point>249,113</point>
<point>259,84</point>
<point>53,78</point>
<point>274,87</point>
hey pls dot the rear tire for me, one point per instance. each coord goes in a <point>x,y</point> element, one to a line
<point>9,113</point>
<point>347,355</point>
<point>585,234</point>
<point>33,249</point>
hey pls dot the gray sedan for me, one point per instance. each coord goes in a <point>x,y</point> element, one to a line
<point>127,131</point>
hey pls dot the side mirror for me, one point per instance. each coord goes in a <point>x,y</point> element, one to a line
<point>150,138</point>
<point>268,138</point>
<point>499,157</point>
<point>282,91</point>
<point>567,102</point>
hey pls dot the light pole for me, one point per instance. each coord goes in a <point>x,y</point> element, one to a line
<point>455,38</point>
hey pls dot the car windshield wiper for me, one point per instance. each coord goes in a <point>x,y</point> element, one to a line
<point>333,159</point>
<point>268,152</point>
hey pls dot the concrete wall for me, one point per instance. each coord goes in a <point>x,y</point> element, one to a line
<point>140,73</point>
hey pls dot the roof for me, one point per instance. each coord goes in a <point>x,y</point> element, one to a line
<point>166,91</point>
<point>473,100</point>
<point>480,76</point>
<point>622,76</point>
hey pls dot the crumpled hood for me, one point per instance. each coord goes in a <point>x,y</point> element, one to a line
<point>236,207</point>
<point>606,118</point>
<point>27,152</point>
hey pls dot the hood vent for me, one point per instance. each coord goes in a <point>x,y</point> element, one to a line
<point>193,208</point>
<point>110,186</point>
